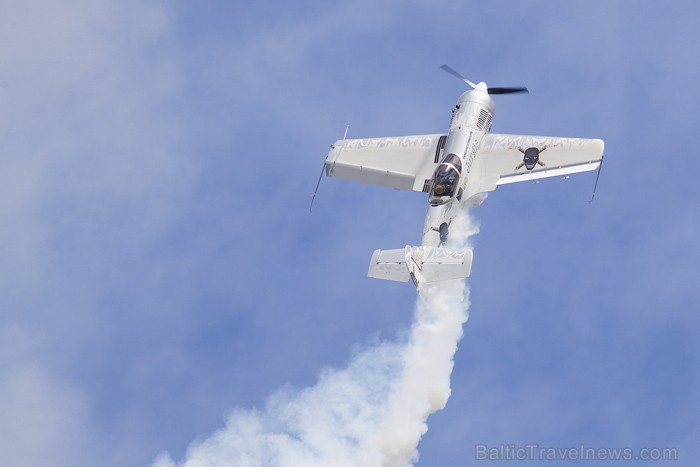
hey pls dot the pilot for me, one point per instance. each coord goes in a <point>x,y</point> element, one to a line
<point>439,189</point>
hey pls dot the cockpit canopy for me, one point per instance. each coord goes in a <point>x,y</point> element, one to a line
<point>443,186</point>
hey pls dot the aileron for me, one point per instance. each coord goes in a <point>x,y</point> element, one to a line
<point>549,172</point>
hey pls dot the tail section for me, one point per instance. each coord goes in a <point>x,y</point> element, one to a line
<point>422,264</point>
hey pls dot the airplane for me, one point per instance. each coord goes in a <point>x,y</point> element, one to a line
<point>454,169</point>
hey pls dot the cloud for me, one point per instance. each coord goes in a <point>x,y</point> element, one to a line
<point>93,174</point>
<point>45,420</point>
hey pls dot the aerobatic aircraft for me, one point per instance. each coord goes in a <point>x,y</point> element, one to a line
<point>453,169</point>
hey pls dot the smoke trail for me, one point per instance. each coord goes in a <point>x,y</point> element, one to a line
<point>371,413</point>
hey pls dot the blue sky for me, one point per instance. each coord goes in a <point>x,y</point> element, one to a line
<point>160,267</point>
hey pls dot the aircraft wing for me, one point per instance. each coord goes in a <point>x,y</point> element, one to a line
<point>401,162</point>
<point>503,159</point>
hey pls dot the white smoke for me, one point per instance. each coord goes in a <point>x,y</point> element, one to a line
<point>371,413</point>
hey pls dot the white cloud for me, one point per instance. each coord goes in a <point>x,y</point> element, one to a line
<point>93,173</point>
<point>45,421</point>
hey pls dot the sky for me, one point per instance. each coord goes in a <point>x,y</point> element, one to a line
<point>160,269</point>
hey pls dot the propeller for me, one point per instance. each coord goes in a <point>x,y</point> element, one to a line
<point>508,90</point>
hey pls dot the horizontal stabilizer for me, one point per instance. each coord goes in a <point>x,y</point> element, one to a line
<point>423,264</point>
<point>389,265</point>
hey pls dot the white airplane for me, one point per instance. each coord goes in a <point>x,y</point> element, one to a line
<point>453,169</point>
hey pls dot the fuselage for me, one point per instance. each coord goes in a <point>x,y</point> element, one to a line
<point>452,183</point>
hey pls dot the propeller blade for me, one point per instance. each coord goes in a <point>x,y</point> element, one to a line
<point>507,90</point>
<point>511,90</point>
<point>454,73</point>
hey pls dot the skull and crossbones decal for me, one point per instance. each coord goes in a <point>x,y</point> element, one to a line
<point>531,157</point>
